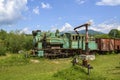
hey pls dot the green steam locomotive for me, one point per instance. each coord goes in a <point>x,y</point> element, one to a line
<point>54,44</point>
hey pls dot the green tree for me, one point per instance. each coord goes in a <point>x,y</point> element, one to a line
<point>57,33</point>
<point>2,48</point>
<point>3,34</point>
<point>114,33</point>
<point>16,41</point>
<point>102,36</point>
<point>28,42</point>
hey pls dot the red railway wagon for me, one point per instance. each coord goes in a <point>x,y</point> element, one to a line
<point>117,44</point>
<point>105,44</point>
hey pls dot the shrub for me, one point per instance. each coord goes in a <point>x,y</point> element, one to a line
<point>2,51</point>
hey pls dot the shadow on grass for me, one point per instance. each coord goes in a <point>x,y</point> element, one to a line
<point>117,67</point>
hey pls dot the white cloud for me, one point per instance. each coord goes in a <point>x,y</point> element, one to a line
<point>94,28</point>
<point>36,10</point>
<point>109,2</point>
<point>25,30</point>
<point>118,27</point>
<point>45,5</point>
<point>80,1</point>
<point>53,28</point>
<point>66,27</point>
<point>106,26</point>
<point>11,10</point>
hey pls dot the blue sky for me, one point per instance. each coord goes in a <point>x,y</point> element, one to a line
<point>28,15</point>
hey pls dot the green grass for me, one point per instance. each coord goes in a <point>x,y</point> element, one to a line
<point>105,67</point>
<point>16,67</point>
<point>108,66</point>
